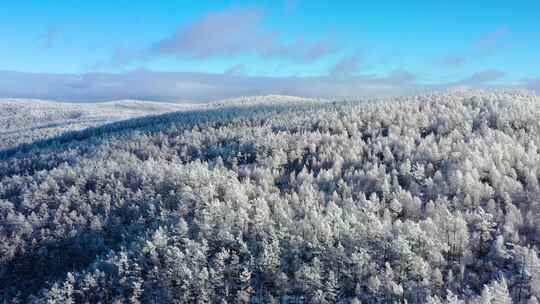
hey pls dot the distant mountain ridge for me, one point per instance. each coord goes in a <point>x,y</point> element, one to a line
<point>25,120</point>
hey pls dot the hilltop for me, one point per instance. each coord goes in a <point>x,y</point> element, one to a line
<point>27,120</point>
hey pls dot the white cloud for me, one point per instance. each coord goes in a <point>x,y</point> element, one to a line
<point>228,34</point>
<point>346,66</point>
<point>145,84</point>
<point>491,40</point>
<point>485,76</point>
<point>534,85</point>
<point>186,86</point>
<point>236,70</point>
<point>482,47</point>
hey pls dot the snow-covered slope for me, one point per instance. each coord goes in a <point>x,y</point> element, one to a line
<point>426,199</point>
<point>26,120</point>
<point>267,100</point>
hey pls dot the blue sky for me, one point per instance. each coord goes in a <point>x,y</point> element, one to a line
<point>206,50</point>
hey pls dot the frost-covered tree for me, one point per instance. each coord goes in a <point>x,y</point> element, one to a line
<point>425,199</point>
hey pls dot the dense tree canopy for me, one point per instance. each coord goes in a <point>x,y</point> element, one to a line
<point>426,199</point>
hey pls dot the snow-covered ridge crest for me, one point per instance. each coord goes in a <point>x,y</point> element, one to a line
<point>26,120</point>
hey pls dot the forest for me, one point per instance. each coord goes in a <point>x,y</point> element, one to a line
<point>28,120</point>
<point>432,198</point>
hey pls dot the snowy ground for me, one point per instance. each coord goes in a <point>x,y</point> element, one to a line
<point>26,120</point>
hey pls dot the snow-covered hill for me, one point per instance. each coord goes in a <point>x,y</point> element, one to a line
<point>424,199</point>
<point>26,120</point>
